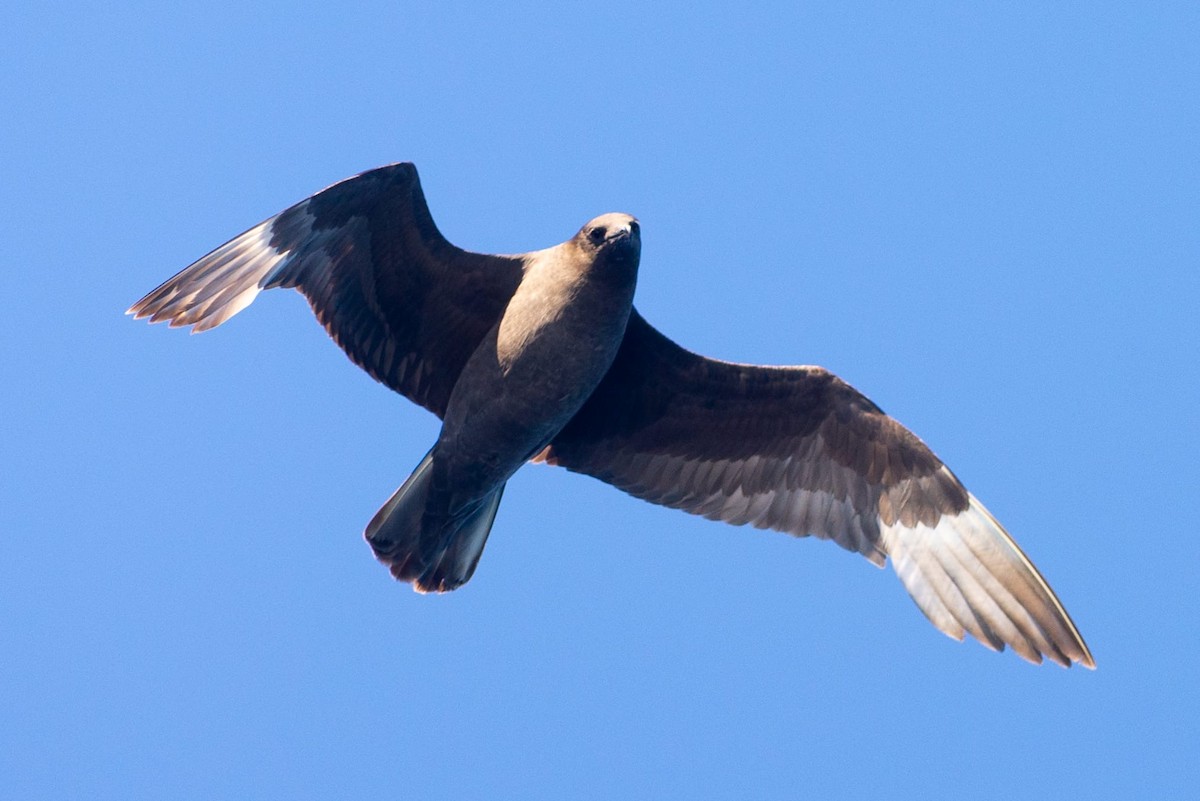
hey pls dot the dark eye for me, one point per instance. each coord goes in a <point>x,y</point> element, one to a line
<point>597,234</point>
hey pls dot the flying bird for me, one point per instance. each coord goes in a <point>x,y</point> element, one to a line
<point>542,357</point>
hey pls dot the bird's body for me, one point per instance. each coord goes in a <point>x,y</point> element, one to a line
<point>541,361</point>
<point>535,367</point>
<point>543,357</point>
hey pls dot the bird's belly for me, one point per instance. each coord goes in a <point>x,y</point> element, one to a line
<point>505,408</point>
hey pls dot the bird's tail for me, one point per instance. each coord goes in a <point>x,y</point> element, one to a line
<point>436,552</point>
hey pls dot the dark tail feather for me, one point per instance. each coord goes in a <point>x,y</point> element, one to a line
<point>433,552</point>
<point>462,542</point>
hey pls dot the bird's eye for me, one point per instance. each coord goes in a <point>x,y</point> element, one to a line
<point>597,234</point>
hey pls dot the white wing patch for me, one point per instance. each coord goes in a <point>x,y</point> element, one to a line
<point>219,285</point>
<point>968,576</point>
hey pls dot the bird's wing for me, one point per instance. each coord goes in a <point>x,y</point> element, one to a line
<point>797,449</point>
<point>406,305</point>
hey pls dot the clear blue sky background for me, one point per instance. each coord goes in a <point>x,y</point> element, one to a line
<point>986,217</point>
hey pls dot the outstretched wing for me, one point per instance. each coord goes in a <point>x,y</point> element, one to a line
<point>797,449</point>
<point>405,305</point>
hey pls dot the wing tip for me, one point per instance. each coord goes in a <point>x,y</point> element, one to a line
<point>968,572</point>
<point>1030,654</point>
<point>1076,650</point>
<point>1084,658</point>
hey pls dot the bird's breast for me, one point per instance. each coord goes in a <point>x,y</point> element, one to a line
<point>562,335</point>
<point>529,377</point>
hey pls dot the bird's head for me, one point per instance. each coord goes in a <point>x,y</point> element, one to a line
<point>611,238</point>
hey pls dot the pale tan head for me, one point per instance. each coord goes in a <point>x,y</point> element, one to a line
<point>612,237</point>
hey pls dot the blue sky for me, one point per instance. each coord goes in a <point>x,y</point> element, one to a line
<point>984,217</point>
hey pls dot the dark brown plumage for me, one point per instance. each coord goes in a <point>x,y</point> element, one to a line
<point>541,356</point>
